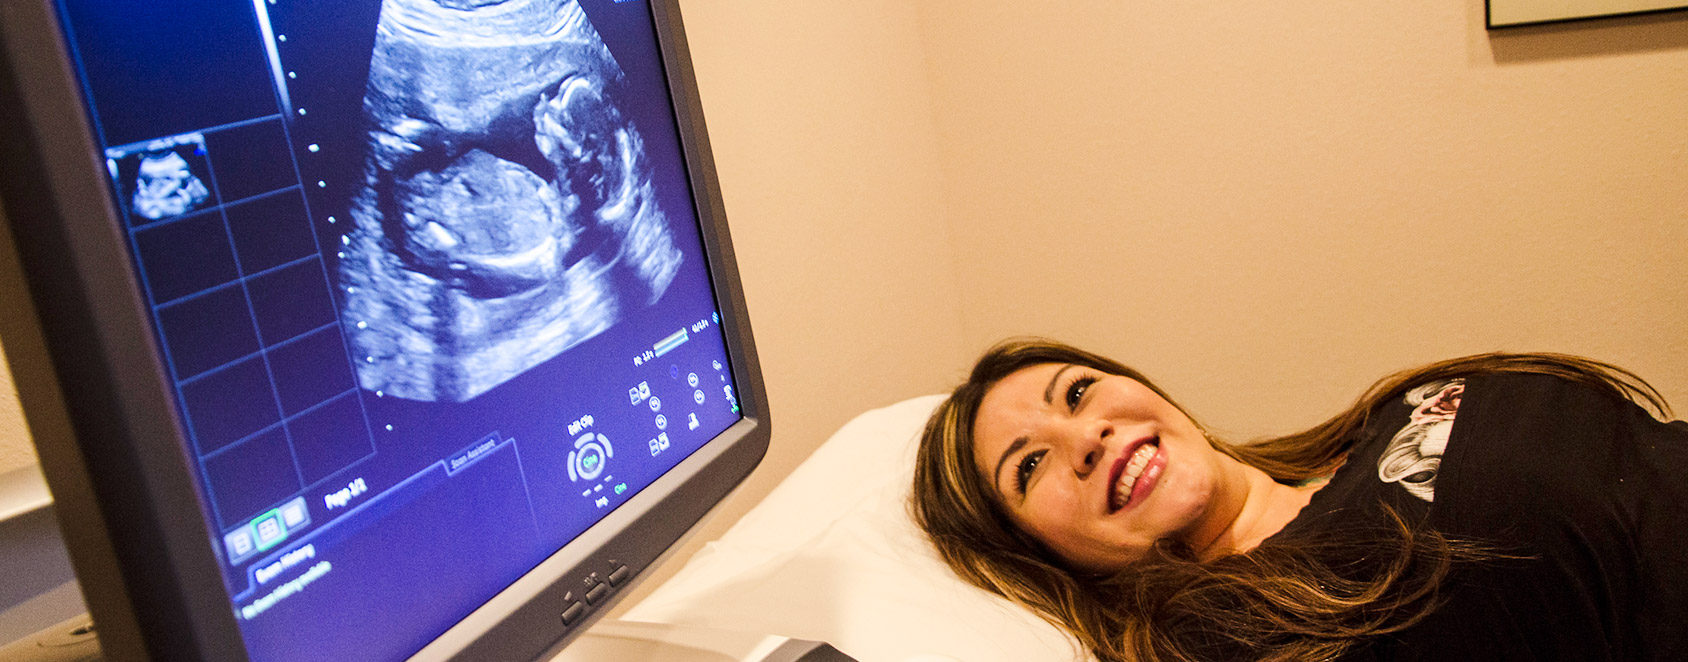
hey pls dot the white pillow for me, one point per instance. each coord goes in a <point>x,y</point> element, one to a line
<point>831,555</point>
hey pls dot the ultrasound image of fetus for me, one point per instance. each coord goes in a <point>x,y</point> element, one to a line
<point>507,211</point>
<point>452,229</point>
<point>166,186</point>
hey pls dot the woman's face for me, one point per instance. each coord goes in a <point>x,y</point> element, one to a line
<point>1099,466</point>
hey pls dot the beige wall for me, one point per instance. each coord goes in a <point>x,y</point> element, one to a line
<point>15,449</point>
<point>1270,205</point>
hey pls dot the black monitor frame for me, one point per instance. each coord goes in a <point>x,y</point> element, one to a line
<point>98,404</point>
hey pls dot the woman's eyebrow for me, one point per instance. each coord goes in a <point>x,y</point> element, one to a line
<point>1049,391</point>
<point>996,474</point>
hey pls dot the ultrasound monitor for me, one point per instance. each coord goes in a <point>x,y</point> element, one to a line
<point>368,329</point>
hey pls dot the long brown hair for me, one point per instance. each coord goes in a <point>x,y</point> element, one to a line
<point>1280,601</point>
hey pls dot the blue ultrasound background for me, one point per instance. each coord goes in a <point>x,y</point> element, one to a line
<point>284,208</point>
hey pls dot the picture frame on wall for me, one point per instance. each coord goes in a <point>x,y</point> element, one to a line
<point>1510,13</point>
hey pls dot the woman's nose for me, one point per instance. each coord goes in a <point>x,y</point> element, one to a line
<point>1091,443</point>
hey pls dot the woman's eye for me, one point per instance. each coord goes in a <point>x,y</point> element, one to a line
<point>1028,464</point>
<point>1075,392</point>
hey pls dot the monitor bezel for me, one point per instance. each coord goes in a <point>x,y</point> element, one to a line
<point>99,406</point>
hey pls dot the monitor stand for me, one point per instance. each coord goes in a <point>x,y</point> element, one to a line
<point>662,642</point>
<point>43,619</point>
<point>75,640</point>
<point>72,640</point>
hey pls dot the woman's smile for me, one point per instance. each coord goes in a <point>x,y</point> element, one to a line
<point>1135,474</point>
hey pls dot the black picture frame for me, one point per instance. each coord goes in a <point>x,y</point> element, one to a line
<point>1501,14</point>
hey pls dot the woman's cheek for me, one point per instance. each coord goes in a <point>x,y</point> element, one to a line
<point>1184,490</point>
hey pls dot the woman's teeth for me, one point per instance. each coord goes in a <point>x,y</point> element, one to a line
<point>1133,469</point>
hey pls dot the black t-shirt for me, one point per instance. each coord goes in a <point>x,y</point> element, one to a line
<point>1589,491</point>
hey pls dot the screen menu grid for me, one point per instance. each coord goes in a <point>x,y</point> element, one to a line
<point>243,306</point>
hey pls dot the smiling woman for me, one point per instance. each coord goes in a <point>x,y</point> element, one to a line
<point>1071,483</point>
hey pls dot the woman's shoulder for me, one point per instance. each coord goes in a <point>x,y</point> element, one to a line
<point>1477,442</point>
<point>1500,415</point>
<point>1547,409</point>
<point>1529,446</point>
<point>1453,430</point>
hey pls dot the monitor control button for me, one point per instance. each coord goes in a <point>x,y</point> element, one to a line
<point>597,593</point>
<point>619,576</point>
<point>573,613</point>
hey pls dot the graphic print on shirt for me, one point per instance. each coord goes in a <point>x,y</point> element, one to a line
<point>1415,453</point>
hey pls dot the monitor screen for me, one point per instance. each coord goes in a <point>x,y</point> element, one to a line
<point>430,288</point>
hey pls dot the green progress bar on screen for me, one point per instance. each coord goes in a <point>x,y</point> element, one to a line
<point>668,344</point>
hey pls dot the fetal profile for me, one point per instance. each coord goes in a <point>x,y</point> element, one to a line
<point>507,210</point>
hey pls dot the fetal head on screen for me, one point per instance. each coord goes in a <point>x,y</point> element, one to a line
<point>508,210</point>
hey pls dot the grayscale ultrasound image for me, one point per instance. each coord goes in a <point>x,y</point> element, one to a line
<point>161,178</point>
<point>165,186</point>
<point>507,211</point>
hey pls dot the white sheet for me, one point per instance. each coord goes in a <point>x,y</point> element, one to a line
<point>832,555</point>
